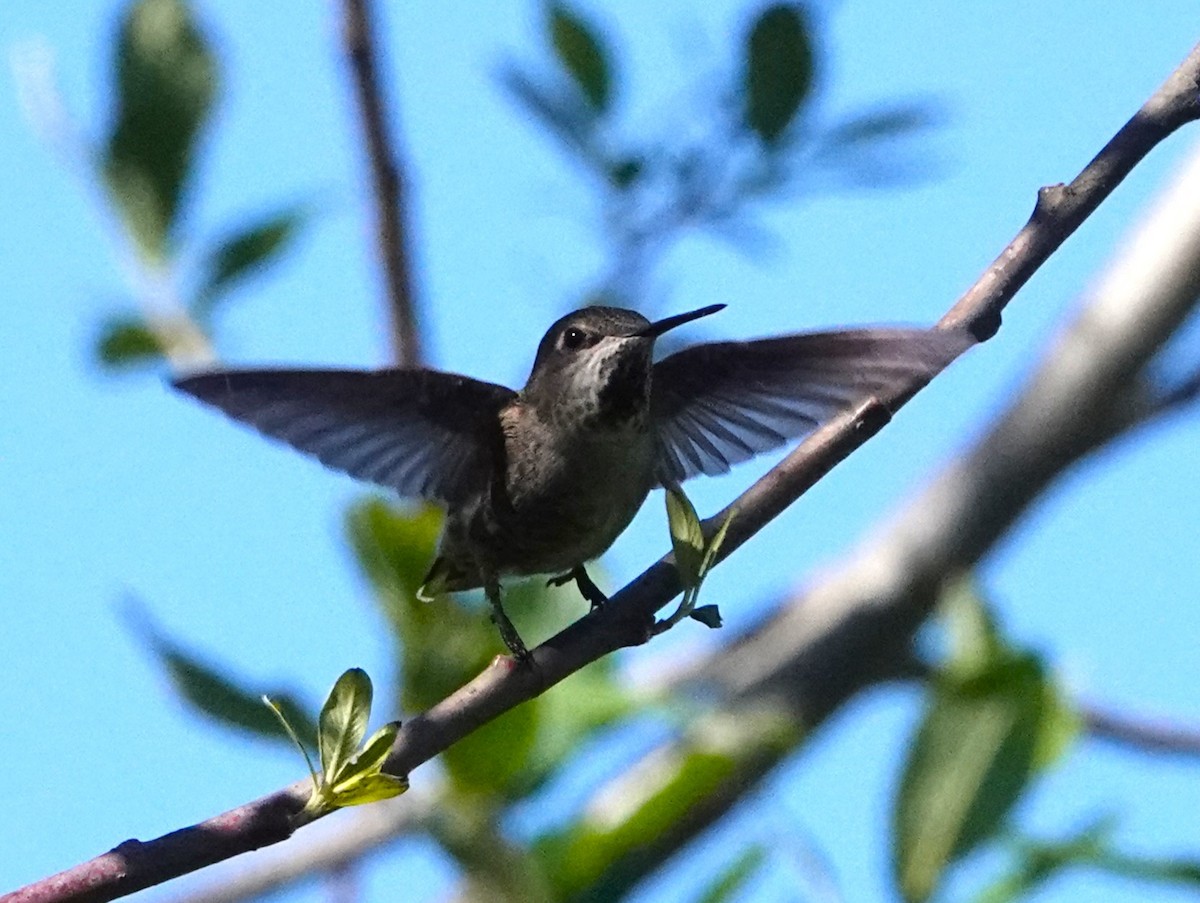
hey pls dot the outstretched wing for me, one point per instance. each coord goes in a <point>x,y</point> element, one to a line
<point>721,403</point>
<point>419,432</point>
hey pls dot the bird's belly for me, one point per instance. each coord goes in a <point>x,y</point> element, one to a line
<point>574,511</point>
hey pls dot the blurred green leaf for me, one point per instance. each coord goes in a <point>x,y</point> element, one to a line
<point>240,254</point>
<point>578,858</point>
<point>973,637</point>
<point>649,803</point>
<point>973,756</point>
<point>572,712</point>
<point>491,758</point>
<point>730,882</point>
<point>582,55</point>
<point>126,340</point>
<point>214,693</point>
<point>343,722</point>
<point>166,79</point>
<point>779,70</point>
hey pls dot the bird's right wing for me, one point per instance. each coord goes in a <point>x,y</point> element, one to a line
<point>724,402</point>
<point>422,433</point>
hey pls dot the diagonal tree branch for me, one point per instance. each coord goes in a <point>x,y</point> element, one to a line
<point>844,666</point>
<point>387,182</point>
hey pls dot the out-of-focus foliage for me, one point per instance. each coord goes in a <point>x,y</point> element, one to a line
<point>214,692</point>
<point>758,137</point>
<point>166,84</point>
<point>993,719</point>
<point>166,81</point>
<point>755,133</point>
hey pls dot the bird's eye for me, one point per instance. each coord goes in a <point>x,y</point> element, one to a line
<point>573,339</point>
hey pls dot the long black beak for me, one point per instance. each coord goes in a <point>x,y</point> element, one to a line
<point>658,327</point>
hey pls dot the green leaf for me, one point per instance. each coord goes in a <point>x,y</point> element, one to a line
<point>581,54</point>
<point>973,756</point>
<point>687,538</point>
<point>240,254</point>
<point>343,721</point>
<point>730,882</point>
<point>366,788</point>
<point>126,340</point>
<point>375,751</point>
<point>779,70</point>
<point>708,615</point>
<point>165,82</point>
<point>214,693</point>
<point>361,780</point>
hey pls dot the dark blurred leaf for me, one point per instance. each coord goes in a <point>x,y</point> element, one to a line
<point>563,113</point>
<point>247,250</point>
<point>708,615</point>
<point>166,79</point>
<point>731,881</point>
<point>878,125</point>
<point>973,756</point>
<point>624,172</point>
<point>125,340</point>
<point>779,70</point>
<point>218,695</point>
<point>582,55</point>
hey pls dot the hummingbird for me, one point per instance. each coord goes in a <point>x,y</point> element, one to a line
<point>544,480</point>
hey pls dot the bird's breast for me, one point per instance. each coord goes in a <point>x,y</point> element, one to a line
<point>568,494</point>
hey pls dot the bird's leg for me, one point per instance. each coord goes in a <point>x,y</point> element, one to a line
<point>587,588</point>
<point>508,633</point>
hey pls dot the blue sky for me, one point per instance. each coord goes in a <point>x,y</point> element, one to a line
<point>114,487</point>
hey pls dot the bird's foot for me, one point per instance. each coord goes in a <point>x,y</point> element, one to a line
<point>508,632</point>
<point>587,588</point>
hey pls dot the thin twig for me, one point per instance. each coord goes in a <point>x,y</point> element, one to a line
<point>387,181</point>
<point>1139,733</point>
<point>628,617</point>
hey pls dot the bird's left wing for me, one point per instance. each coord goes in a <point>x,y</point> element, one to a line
<point>420,432</point>
<point>721,403</point>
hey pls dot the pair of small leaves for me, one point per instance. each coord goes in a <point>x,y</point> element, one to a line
<point>350,775</point>
<point>994,720</point>
<point>694,558</point>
